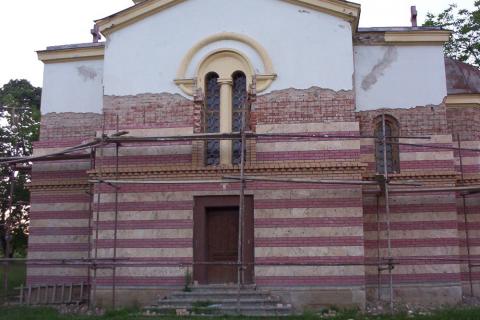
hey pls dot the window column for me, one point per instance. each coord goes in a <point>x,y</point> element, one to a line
<point>225,119</point>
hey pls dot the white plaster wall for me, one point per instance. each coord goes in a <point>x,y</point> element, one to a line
<point>399,76</point>
<point>73,87</point>
<point>308,48</point>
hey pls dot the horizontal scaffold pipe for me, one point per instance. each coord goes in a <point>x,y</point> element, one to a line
<point>432,146</point>
<point>248,135</point>
<point>301,180</point>
<point>52,156</point>
<point>161,181</point>
<point>97,142</point>
<point>440,189</point>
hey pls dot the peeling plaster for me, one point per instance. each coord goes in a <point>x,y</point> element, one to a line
<point>390,56</point>
<point>86,73</point>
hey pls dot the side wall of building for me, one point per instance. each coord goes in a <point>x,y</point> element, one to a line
<point>399,76</point>
<point>463,123</point>
<point>73,86</point>
<point>424,226</point>
<point>60,211</point>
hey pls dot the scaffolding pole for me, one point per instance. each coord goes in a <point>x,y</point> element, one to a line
<point>241,208</point>
<point>387,209</point>
<point>115,231</point>
<point>465,217</point>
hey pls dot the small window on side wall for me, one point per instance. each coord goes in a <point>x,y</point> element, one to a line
<point>392,150</point>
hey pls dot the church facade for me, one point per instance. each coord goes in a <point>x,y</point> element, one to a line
<point>173,68</point>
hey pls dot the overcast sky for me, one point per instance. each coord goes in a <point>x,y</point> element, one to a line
<point>29,25</point>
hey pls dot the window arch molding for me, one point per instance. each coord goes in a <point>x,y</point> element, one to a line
<point>264,77</point>
<point>392,129</point>
<point>224,62</point>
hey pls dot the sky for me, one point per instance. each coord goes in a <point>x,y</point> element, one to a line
<point>30,25</point>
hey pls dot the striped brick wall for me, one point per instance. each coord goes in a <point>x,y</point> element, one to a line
<point>424,242</point>
<point>312,223</point>
<point>463,123</point>
<point>59,200</point>
<point>416,160</point>
<point>319,226</point>
<point>472,210</point>
<point>58,226</point>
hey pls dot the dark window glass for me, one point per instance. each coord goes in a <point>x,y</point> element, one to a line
<point>212,118</point>
<point>393,159</point>
<point>239,100</point>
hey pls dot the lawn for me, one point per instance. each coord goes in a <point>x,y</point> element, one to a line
<point>16,277</point>
<point>18,313</point>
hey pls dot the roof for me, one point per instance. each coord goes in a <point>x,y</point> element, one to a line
<point>462,78</point>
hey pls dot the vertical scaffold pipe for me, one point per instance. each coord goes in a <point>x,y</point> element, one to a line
<point>387,209</point>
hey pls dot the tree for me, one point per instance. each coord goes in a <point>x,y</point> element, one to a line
<point>464,45</point>
<point>19,127</point>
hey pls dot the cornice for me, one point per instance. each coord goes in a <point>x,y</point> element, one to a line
<point>463,100</point>
<point>346,10</point>
<point>425,175</point>
<point>58,184</point>
<point>418,37</point>
<point>71,54</point>
<point>176,172</point>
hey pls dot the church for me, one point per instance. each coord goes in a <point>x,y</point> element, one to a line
<point>244,143</point>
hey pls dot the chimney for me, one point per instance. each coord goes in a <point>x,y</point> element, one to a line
<point>414,15</point>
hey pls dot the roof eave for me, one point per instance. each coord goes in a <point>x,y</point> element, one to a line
<point>70,53</point>
<point>346,10</point>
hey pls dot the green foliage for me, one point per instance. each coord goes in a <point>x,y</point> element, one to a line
<point>16,276</point>
<point>464,45</point>
<point>19,127</point>
<point>18,313</point>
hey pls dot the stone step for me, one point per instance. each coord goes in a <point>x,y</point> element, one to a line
<point>212,287</point>
<point>220,300</point>
<point>283,310</point>
<point>243,301</point>
<point>206,295</point>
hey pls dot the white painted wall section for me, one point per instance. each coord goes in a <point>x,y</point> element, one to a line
<point>73,87</point>
<point>399,76</point>
<point>308,48</point>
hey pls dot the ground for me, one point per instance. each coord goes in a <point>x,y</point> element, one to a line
<point>23,313</point>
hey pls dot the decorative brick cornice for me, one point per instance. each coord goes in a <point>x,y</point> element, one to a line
<point>58,184</point>
<point>177,172</point>
<point>173,172</point>
<point>421,175</point>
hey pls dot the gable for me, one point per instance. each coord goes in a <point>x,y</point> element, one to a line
<point>346,10</point>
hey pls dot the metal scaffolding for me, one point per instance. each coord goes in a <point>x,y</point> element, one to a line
<point>386,187</point>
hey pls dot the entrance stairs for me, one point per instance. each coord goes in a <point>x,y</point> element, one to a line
<point>221,300</point>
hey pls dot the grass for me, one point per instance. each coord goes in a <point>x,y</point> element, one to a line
<point>16,277</point>
<point>23,313</point>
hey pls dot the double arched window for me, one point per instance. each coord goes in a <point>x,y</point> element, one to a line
<point>225,100</point>
<point>392,154</point>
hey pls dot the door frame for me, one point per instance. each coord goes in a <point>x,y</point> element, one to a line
<point>201,203</point>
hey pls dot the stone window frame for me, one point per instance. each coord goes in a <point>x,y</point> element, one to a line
<point>225,63</point>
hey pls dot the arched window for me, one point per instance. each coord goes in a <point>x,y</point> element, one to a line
<point>212,117</point>
<point>224,76</point>
<point>392,150</point>
<point>239,103</point>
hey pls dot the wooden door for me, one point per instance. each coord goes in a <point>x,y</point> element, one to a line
<point>215,239</point>
<point>222,244</point>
